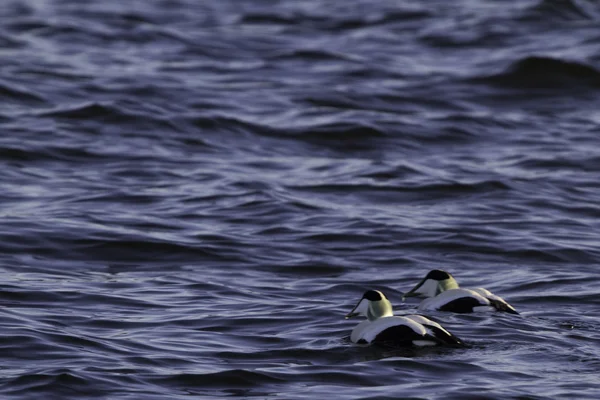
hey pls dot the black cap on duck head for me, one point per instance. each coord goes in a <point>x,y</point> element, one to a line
<point>438,275</point>
<point>373,305</point>
<point>373,295</point>
<point>435,282</point>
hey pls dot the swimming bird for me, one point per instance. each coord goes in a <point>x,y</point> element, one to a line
<point>443,294</point>
<point>382,327</point>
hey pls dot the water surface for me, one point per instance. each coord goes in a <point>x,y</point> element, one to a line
<point>194,194</point>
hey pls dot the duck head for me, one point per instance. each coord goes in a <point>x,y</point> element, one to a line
<point>434,283</point>
<point>372,305</point>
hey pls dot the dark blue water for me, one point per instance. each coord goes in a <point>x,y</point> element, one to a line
<point>194,194</point>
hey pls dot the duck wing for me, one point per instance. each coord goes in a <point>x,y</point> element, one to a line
<point>393,331</point>
<point>456,300</point>
<point>403,336</point>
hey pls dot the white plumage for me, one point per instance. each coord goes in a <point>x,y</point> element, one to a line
<point>444,294</point>
<point>382,327</point>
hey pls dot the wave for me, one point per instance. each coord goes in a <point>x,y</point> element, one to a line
<point>339,131</point>
<point>556,10</point>
<point>336,20</point>
<point>310,55</point>
<point>11,93</point>
<point>50,153</point>
<point>426,189</point>
<point>576,163</point>
<point>87,111</point>
<point>506,248</point>
<point>116,248</point>
<point>539,72</point>
<point>227,124</point>
<point>139,119</point>
<point>129,249</point>
<point>334,136</point>
<point>114,28</point>
<point>62,382</point>
<point>326,131</point>
<point>234,378</point>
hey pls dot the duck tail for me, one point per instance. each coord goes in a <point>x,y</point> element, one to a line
<point>503,306</point>
<point>444,337</point>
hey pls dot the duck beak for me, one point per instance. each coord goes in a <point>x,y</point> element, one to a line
<point>411,293</point>
<point>350,315</point>
<point>353,313</point>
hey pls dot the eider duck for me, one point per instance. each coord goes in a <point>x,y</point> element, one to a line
<point>443,294</point>
<point>382,327</point>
